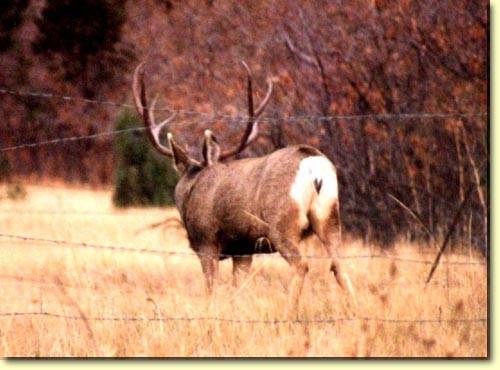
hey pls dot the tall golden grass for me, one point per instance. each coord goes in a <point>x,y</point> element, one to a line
<point>86,283</point>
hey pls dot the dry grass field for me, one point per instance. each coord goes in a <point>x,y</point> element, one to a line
<point>395,315</point>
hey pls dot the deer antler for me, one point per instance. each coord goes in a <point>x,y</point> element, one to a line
<point>153,129</point>
<point>252,128</point>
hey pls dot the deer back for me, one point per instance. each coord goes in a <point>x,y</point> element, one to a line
<point>241,199</point>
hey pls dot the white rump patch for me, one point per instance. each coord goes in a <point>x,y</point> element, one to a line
<point>303,191</point>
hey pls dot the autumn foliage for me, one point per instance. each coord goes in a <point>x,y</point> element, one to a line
<point>394,92</point>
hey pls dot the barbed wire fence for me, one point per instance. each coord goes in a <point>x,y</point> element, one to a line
<point>201,118</point>
<point>207,118</point>
<point>159,252</point>
<point>330,320</point>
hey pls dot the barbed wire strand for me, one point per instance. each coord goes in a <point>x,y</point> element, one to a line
<point>425,115</point>
<point>152,213</point>
<point>94,136</point>
<point>72,138</point>
<point>242,321</point>
<point>46,95</point>
<point>212,120</point>
<point>70,244</point>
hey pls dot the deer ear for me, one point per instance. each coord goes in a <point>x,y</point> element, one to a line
<point>211,149</point>
<point>181,159</point>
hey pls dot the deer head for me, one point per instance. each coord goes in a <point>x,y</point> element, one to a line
<point>211,149</point>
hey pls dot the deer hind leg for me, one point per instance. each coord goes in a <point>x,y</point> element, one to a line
<point>241,267</point>
<point>287,246</point>
<point>329,233</point>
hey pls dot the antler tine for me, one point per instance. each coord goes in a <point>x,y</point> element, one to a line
<point>156,129</point>
<point>251,112</point>
<point>252,129</point>
<point>136,83</point>
<point>153,130</point>
<point>263,105</point>
<point>249,89</point>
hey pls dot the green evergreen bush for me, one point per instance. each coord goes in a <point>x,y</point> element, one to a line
<point>143,177</point>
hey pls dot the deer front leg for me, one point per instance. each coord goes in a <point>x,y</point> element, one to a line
<point>241,267</point>
<point>210,265</point>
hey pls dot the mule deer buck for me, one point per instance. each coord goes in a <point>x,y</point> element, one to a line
<point>228,205</point>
